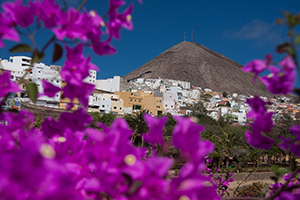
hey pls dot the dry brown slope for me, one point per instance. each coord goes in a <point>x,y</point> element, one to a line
<point>189,61</point>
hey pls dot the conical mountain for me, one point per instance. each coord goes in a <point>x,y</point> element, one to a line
<point>189,61</point>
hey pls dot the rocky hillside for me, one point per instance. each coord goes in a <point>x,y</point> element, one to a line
<point>189,61</point>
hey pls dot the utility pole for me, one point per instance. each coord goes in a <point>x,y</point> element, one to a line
<point>192,37</point>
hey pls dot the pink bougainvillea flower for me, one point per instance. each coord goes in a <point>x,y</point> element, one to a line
<point>257,107</point>
<point>76,67</point>
<point>295,130</point>
<point>256,66</point>
<point>262,122</point>
<point>287,62</point>
<point>192,148</point>
<point>6,86</point>
<point>117,21</point>
<point>285,144</point>
<point>50,15</point>
<point>70,25</point>
<point>192,185</point>
<point>50,90</point>
<point>156,125</point>
<point>20,14</point>
<point>103,48</point>
<point>268,59</point>
<point>257,140</point>
<point>280,81</point>
<point>6,31</point>
<point>80,91</point>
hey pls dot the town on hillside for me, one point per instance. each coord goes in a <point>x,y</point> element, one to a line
<point>158,95</point>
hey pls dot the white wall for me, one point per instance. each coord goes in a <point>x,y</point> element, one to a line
<point>169,102</point>
<point>112,85</point>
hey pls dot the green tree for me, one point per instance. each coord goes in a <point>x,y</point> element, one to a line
<point>137,123</point>
<point>106,118</point>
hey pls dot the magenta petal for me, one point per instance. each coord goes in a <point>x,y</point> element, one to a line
<point>6,86</point>
<point>50,90</point>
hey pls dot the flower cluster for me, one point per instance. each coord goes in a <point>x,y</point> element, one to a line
<point>222,182</point>
<point>281,80</point>
<point>289,181</point>
<point>67,160</point>
<point>68,25</point>
<point>262,123</point>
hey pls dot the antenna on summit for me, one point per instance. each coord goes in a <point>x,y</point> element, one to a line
<point>192,37</point>
<point>184,36</point>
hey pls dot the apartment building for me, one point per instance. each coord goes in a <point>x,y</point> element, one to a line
<point>19,66</point>
<point>139,100</point>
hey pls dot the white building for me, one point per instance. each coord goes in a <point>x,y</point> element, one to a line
<point>101,102</point>
<point>169,103</point>
<point>240,116</point>
<point>20,65</point>
<point>178,93</point>
<point>110,84</point>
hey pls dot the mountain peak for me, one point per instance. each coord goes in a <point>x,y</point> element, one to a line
<point>190,61</point>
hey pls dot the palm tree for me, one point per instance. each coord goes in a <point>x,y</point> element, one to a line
<point>138,124</point>
<point>228,141</point>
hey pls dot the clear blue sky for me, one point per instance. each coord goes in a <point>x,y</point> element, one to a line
<point>240,30</point>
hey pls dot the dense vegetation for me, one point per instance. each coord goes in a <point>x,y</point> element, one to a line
<point>232,150</point>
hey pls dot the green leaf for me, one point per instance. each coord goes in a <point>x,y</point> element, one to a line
<point>297,39</point>
<point>284,48</point>
<point>57,52</point>
<point>21,48</point>
<point>37,56</point>
<point>32,91</point>
<point>275,169</point>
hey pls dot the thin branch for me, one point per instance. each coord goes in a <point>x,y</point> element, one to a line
<point>31,37</point>
<point>242,183</point>
<point>48,43</point>
<point>81,5</point>
<point>285,187</point>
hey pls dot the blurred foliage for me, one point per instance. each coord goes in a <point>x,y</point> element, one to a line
<point>38,122</point>
<point>256,189</point>
<point>106,118</point>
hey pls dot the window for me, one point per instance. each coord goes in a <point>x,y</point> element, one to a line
<point>115,107</point>
<point>136,107</point>
<point>139,100</point>
<point>159,101</point>
<point>120,108</point>
<point>130,99</point>
<point>166,105</point>
<point>103,106</point>
<point>172,106</point>
<point>25,60</point>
